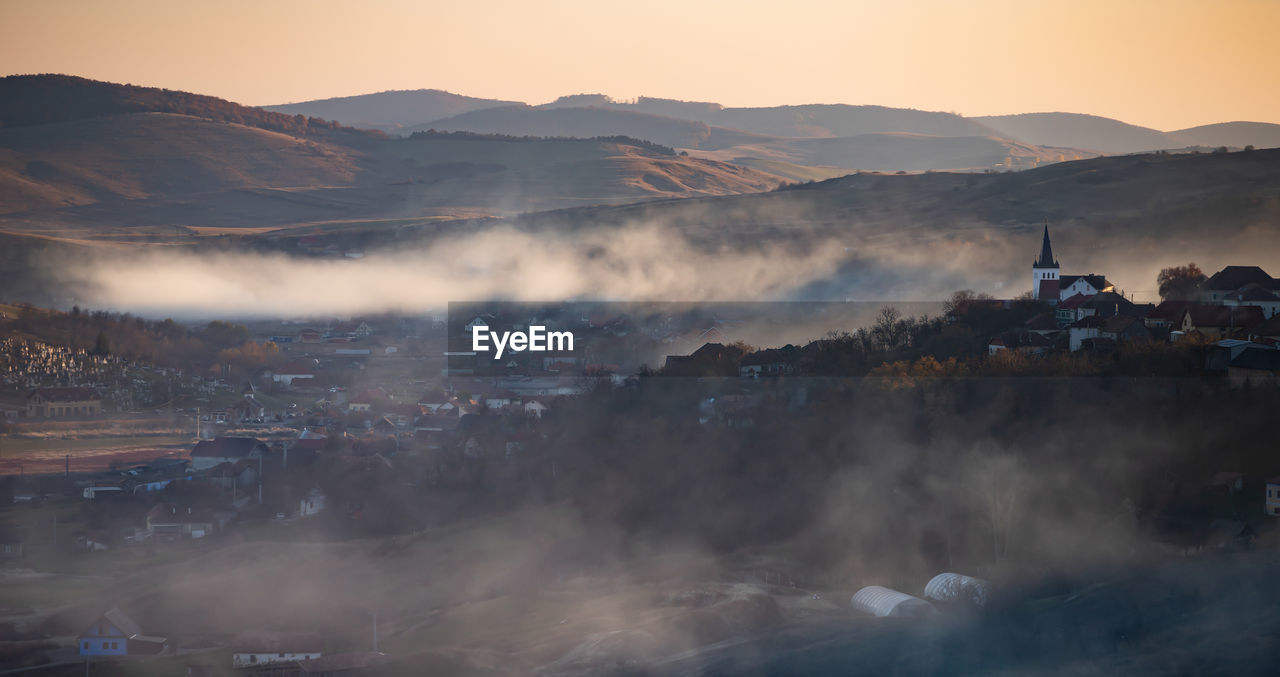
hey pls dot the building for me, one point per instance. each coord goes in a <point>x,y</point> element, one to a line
<point>1088,285</point>
<point>1047,284</point>
<point>63,402</point>
<point>1217,322</point>
<point>115,634</point>
<point>342,664</point>
<point>1044,272</point>
<point>210,453</point>
<point>166,521</point>
<point>1254,294</point>
<point>1221,284</point>
<point>250,650</point>
<point>1272,506</point>
<point>312,504</point>
<point>1255,366</point>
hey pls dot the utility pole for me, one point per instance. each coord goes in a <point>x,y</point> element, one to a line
<point>67,472</point>
<point>375,631</point>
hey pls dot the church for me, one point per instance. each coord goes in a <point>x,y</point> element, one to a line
<point>1047,285</point>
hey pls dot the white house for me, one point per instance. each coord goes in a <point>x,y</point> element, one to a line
<point>1273,496</point>
<point>1089,285</point>
<point>312,504</point>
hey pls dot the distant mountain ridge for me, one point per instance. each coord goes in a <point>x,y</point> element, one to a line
<point>1091,133</point>
<point>390,110</point>
<point>27,100</point>
<point>126,159</point>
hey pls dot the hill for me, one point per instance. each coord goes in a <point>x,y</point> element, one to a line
<point>137,156</point>
<point>812,120</point>
<point>816,147</point>
<point>389,111</point>
<point>142,174</point>
<point>1232,134</point>
<point>1079,131</point>
<point>921,236</point>
<point>900,152</point>
<point>27,100</point>
<point>585,122</point>
<point>1106,135</point>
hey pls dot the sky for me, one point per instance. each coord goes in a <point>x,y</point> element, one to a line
<point>1167,64</point>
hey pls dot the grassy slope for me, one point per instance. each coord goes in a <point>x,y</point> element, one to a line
<point>156,170</point>
<point>143,155</point>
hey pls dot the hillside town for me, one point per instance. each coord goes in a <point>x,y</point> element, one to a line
<point>315,434</point>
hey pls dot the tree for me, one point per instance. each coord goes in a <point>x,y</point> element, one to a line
<point>102,346</point>
<point>959,303</point>
<point>1180,283</point>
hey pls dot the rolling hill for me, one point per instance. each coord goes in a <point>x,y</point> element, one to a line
<point>585,122</point>
<point>1233,134</point>
<point>882,150</point>
<point>921,236</point>
<point>27,100</point>
<point>900,152</point>
<point>1112,136</point>
<point>151,155</point>
<point>389,111</point>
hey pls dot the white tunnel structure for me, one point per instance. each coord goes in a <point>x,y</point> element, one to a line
<point>881,601</point>
<point>957,588</point>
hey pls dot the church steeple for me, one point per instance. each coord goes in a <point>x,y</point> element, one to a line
<point>1044,272</point>
<point>1046,252</point>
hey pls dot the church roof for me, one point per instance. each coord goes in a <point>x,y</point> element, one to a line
<point>1046,252</point>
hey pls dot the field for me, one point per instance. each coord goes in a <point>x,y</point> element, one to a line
<point>92,454</point>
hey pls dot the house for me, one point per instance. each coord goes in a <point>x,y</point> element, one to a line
<point>534,408</point>
<point>1020,340</point>
<point>342,664</point>
<point>1254,294</point>
<point>1270,329</point>
<point>1124,328</point>
<point>1232,278</point>
<point>1089,327</point>
<point>1272,506</point>
<point>1255,366</point>
<point>312,504</point>
<point>115,634</point>
<point>63,402</point>
<point>294,371</point>
<point>1217,322</point>
<point>1045,324</point>
<point>209,453</point>
<point>256,649</point>
<point>1166,315</point>
<point>249,409</point>
<point>233,476</point>
<point>771,362</point>
<point>309,336</point>
<point>167,521</point>
<point>712,359</point>
<point>1087,285</point>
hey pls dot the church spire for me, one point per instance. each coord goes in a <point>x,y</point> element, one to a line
<point>1046,251</point>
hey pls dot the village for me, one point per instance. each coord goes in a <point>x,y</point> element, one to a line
<point>309,440</point>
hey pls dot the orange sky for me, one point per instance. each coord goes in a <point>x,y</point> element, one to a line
<point>1167,64</point>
